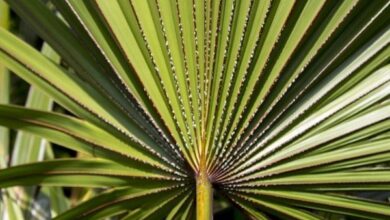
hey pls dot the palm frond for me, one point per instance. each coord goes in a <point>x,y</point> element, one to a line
<point>281,107</point>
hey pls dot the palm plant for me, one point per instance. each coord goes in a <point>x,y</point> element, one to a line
<point>280,107</point>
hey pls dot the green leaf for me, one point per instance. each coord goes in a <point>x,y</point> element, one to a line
<point>340,204</point>
<point>280,106</point>
<point>282,210</point>
<point>75,134</point>
<point>78,172</point>
<point>117,201</point>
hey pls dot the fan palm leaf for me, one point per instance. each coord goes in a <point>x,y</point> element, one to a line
<point>281,107</point>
